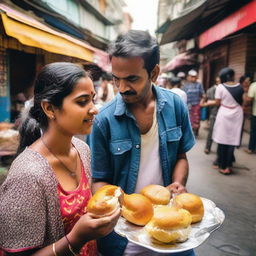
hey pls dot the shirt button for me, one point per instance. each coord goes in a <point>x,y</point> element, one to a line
<point>118,149</point>
<point>137,146</point>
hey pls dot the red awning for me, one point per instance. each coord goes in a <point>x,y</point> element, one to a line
<point>183,59</point>
<point>233,23</point>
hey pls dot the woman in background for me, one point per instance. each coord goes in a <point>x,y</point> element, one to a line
<point>229,119</point>
<point>44,197</point>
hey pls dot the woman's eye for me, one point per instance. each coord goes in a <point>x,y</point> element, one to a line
<point>82,103</point>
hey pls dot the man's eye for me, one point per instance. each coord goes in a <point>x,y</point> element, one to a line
<point>132,80</point>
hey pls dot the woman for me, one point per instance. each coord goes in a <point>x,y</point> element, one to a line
<point>43,200</point>
<point>229,119</point>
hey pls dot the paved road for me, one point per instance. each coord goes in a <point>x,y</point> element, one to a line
<point>234,194</point>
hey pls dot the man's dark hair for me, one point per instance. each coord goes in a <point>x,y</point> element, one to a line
<point>136,43</point>
<point>175,81</point>
<point>106,77</point>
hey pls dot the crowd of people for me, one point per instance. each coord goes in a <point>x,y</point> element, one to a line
<point>139,137</point>
<point>228,103</point>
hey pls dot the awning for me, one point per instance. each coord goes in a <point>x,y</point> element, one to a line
<point>233,23</point>
<point>183,59</point>
<point>197,19</point>
<point>31,32</point>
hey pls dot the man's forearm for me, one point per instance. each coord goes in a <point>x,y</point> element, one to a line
<point>180,172</point>
<point>96,184</point>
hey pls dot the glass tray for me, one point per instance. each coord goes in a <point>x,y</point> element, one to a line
<point>212,220</point>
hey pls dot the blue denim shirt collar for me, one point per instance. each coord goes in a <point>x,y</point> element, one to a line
<point>121,108</point>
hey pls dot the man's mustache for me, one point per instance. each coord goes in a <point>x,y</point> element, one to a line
<point>128,93</point>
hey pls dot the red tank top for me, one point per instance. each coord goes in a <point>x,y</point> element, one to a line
<point>73,205</point>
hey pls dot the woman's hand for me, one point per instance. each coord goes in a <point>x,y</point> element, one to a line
<point>90,227</point>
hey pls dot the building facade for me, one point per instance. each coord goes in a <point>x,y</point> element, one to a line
<point>35,33</point>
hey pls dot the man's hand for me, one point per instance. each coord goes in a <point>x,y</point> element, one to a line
<point>177,188</point>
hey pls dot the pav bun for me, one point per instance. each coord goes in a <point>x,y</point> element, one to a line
<point>137,209</point>
<point>105,200</point>
<point>157,194</point>
<point>191,203</point>
<point>169,225</point>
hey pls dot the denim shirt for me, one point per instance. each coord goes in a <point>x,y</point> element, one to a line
<point>115,145</point>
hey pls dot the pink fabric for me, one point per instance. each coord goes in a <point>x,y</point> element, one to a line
<point>194,115</point>
<point>73,205</point>
<point>229,119</point>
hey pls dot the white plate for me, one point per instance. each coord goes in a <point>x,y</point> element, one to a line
<point>212,220</point>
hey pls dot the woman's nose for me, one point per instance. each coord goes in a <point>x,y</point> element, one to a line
<point>93,110</point>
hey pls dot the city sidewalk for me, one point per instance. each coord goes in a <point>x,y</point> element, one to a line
<point>234,194</point>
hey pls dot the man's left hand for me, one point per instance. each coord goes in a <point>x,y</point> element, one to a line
<point>177,188</point>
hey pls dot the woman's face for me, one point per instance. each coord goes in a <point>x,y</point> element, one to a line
<point>78,110</point>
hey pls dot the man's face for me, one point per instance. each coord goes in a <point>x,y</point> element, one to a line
<point>131,78</point>
<point>192,79</point>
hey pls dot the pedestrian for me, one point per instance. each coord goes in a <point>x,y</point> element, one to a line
<point>245,82</point>
<point>182,76</point>
<point>174,84</point>
<point>106,90</point>
<point>142,136</point>
<point>43,199</point>
<point>252,98</point>
<point>195,93</point>
<point>229,119</point>
<point>210,95</point>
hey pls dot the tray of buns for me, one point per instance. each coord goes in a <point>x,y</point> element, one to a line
<point>198,231</point>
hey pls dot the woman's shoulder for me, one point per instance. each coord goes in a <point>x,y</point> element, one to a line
<point>80,145</point>
<point>27,166</point>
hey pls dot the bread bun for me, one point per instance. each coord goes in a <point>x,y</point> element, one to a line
<point>157,194</point>
<point>105,200</point>
<point>137,209</point>
<point>169,224</point>
<point>191,203</point>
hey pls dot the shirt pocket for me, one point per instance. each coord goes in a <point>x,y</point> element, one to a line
<point>174,134</point>
<point>120,147</point>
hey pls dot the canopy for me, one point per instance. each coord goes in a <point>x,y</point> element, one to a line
<point>31,32</point>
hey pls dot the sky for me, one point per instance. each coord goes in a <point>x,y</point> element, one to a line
<point>144,14</point>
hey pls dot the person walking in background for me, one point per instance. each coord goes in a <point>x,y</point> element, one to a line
<point>252,99</point>
<point>174,84</point>
<point>229,119</point>
<point>245,82</point>
<point>182,76</point>
<point>210,95</point>
<point>44,197</point>
<point>142,136</point>
<point>106,90</point>
<point>195,92</point>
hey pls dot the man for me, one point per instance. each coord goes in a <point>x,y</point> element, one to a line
<point>213,110</point>
<point>174,84</point>
<point>142,136</point>
<point>252,98</point>
<point>195,92</point>
<point>106,90</point>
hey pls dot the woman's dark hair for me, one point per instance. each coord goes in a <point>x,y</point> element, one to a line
<point>227,75</point>
<point>136,43</point>
<point>53,83</point>
<point>243,78</point>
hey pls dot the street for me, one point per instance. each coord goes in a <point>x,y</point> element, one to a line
<point>234,194</point>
